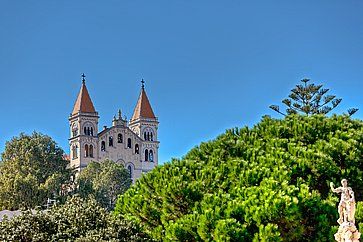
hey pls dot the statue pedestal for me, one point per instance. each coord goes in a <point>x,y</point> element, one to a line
<point>347,232</point>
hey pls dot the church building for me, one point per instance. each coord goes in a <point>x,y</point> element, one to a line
<point>133,143</point>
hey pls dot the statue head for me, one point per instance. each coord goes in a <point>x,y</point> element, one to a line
<point>344,182</point>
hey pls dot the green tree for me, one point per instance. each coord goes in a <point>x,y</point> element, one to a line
<point>32,169</point>
<point>105,181</point>
<point>266,183</point>
<point>76,220</point>
<point>308,98</point>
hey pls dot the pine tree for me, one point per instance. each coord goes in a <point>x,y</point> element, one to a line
<point>308,98</point>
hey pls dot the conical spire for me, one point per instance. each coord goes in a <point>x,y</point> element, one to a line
<point>83,103</point>
<point>143,108</point>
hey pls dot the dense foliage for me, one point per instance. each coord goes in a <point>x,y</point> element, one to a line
<point>32,169</point>
<point>308,98</point>
<point>104,181</point>
<point>267,183</point>
<point>77,220</point>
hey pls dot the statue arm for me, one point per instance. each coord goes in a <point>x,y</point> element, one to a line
<point>352,198</point>
<point>336,190</point>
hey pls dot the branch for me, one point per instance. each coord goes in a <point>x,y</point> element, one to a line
<point>276,109</point>
<point>352,111</point>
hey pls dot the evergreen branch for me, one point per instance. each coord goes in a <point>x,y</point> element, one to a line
<point>276,109</point>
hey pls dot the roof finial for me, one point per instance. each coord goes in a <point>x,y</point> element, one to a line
<point>142,83</point>
<point>83,78</point>
<point>119,114</point>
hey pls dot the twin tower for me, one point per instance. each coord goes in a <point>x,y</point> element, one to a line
<point>132,143</point>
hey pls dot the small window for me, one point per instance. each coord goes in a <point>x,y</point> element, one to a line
<point>130,170</point>
<point>151,156</point>
<point>85,130</point>
<point>91,151</point>
<point>110,141</point>
<point>145,136</point>
<point>86,151</point>
<point>103,146</point>
<point>146,155</point>
<point>151,136</point>
<point>136,149</point>
<point>129,145</point>
<point>119,138</point>
<point>91,131</point>
<point>74,152</point>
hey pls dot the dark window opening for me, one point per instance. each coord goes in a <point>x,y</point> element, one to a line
<point>136,149</point>
<point>103,146</point>
<point>151,156</point>
<point>86,151</point>
<point>146,155</point>
<point>129,145</point>
<point>130,170</point>
<point>110,141</point>
<point>91,151</point>
<point>119,138</point>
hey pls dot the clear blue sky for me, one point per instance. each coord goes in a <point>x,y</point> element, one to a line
<point>208,65</point>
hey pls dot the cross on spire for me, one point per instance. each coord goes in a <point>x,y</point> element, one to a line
<point>142,83</point>
<point>83,78</point>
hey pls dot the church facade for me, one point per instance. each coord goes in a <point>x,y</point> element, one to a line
<point>133,143</point>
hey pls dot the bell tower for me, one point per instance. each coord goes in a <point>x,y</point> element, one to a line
<point>145,124</point>
<point>83,124</point>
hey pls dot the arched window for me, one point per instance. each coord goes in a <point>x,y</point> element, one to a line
<point>130,170</point>
<point>129,145</point>
<point>88,129</point>
<point>74,130</point>
<point>103,146</point>
<point>136,149</point>
<point>151,155</point>
<point>91,151</point>
<point>110,141</point>
<point>119,138</point>
<point>148,134</point>
<point>146,155</point>
<point>86,151</point>
<point>74,151</point>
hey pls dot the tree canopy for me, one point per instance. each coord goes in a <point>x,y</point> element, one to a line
<point>308,98</point>
<point>266,183</point>
<point>105,181</point>
<point>32,169</point>
<point>76,220</point>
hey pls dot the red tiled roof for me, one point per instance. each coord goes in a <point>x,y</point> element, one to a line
<point>83,103</point>
<point>143,108</point>
<point>66,157</point>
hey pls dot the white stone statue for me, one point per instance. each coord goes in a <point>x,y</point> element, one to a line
<point>347,231</point>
